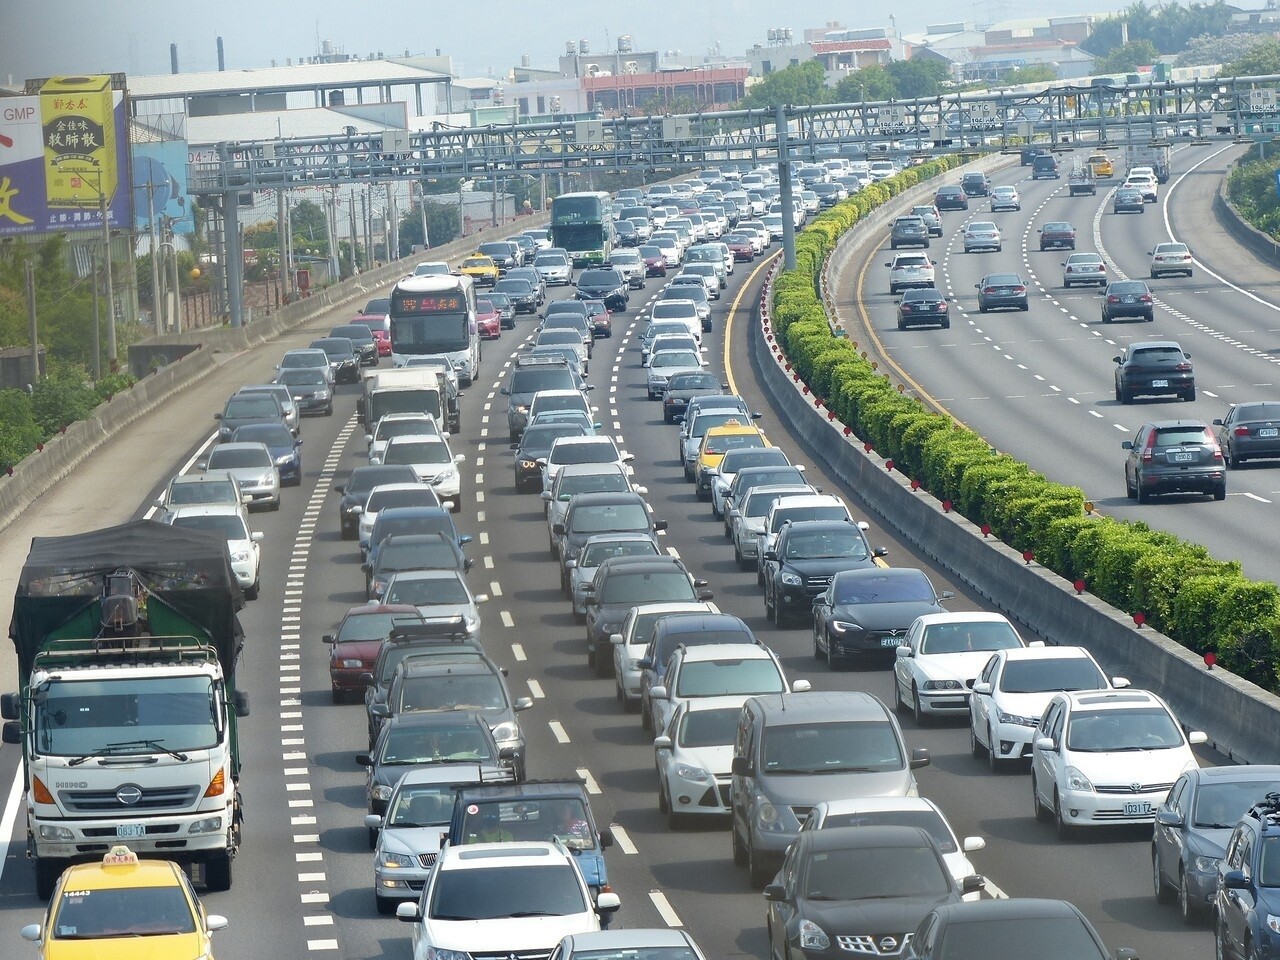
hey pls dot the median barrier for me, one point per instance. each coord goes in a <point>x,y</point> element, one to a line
<point>1260,244</point>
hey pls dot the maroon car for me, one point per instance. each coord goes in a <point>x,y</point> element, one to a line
<point>655,262</point>
<point>600,318</point>
<point>1057,233</point>
<point>488,320</point>
<point>354,645</point>
<point>375,316</point>
<point>741,248</point>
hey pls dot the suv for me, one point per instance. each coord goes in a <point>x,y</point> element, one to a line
<point>910,270</point>
<point>532,375</point>
<point>1127,298</point>
<point>976,184</point>
<point>793,750</point>
<point>1174,456</point>
<point>909,232</point>
<point>1154,368</point>
<point>1247,899</point>
<point>605,284</point>
<point>931,216</point>
<point>1045,167</point>
<point>808,553</point>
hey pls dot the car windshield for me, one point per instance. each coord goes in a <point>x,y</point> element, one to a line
<point>826,544</point>
<point>929,820</point>
<point>944,638</point>
<point>1045,938</point>
<point>735,441</point>
<point>303,377</point>
<point>230,525</point>
<point>251,408</point>
<point>1003,280</point>
<point>1257,411</point>
<point>565,335</point>
<point>667,310</point>
<point>436,591</point>
<point>1171,248</point>
<point>113,912</point>
<point>1128,287</point>
<point>910,262</point>
<point>874,873</point>
<point>304,358</point>
<point>655,330</point>
<point>981,227</point>
<point>425,555</point>
<point>452,691</point>
<point>714,678</point>
<point>758,504</point>
<point>404,428</point>
<point>832,747</point>
<point>1115,731</point>
<point>874,589</point>
<point>708,728</point>
<point>1156,355</point>
<point>202,491</point>
<point>551,260</point>
<point>832,511</point>
<point>423,804</point>
<point>417,451</point>
<point>272,434</point>
<point>630,589</point>
<point>472,263</point>
<point>599,278</point>
<point>637,953</point>
<point>369,626</point>
<point>515,285</point>
<point>533,381</point>
<point>223,458</point>
<point>530,818</point>
<point>1054,675</point>
<point>537,440</point>
<point>352,331</point>
<point>598,553</point>
<point>1221,805</point>
<point>1058,227</point>
<point>607,518</point>
<point>675,358</point>
<point>516,891</point>
<point>378,305</point>
<point>1179,436</point>
<point>434,744</point>
<point>336,349</point>
<point>598,452</point>
<point>1083,258</point>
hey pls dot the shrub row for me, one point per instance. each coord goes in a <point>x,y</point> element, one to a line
<point>1202,603</point>
<point>61,398</point>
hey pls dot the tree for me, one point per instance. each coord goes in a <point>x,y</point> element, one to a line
<point>310,227</point>
<point>1262,60</point>
<point>1170,26</point>
<point>801,84</point>
<point>918,78</point>
<point>868,84</point>
<point>1128,58</point>
<point>1210,48</point>
<point>442,222</point>
<point>1038,73</point>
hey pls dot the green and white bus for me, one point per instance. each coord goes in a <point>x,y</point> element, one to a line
<point>582,223</point>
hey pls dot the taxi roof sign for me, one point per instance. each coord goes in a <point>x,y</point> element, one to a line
<point>119,854</point>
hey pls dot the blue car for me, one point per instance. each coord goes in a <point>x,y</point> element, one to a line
<point>281,443</point>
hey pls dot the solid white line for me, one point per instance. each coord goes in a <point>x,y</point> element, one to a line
<point>1254,496</point>
<point>11,813</point>
<point>665,910</point>
<point>623,839</point>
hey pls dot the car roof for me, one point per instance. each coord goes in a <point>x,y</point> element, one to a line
<point>1112,699</point>
<point>207,510</point>
<point>241,445</point>
<point>367,609</point>
<point>1241,772</point>
<point>398,487</point>
<point>697,622</point>
<point>428,575</point>
<point>1020,908</point>
<point>864,837</point>
<point>606,498</point>
<point>479,856</point>
<point>397,513</point>
<point>819,706</point>
<point>468,664</point>
<point>1177,424</point>
<point>732,429</point>
<point>877,804</point>
<point>653,564</point>
<point>726,651</point>
<point>970,616</point>
<point>541,789</point>
<point>811,500</point>
<point>1143,344</point>
<point>615,941</point>
<point>116,876</point>
<point>428,718</point>
<point>452,773</point>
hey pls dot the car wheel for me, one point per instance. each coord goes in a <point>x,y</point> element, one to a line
<point>603,665</point>
<point>982,308</point>
<point>1025,307</point>
<point>1126,397</point>
<point>217,874</point>
<point>901,325</point>
<point>769,608</point>
<point>646,718</point>
<point>663,806</point>
<point>1158,886</point>
<point>1220,951</point>
<point>1130,491</point>
<point>917,714</point>
<point>1066,284</point>
<point>739,849</point>
<point>674,820</point>
<point>1065,830</point>
<point>337,696</point>
<point>759,575</point>
<point>1190,395</point>
<point>1233,459</point>
<point>1041,814</point>
<point>1143,495</point>
<point>251,593</point>
<point>946,324</point>
<point>1220,492</point>
<point>975,745</point>
<point>817,649</point>
<point>758,874</point>
<point>1187,908</point>
<point>373,838</point>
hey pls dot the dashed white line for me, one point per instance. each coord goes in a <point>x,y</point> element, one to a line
<point>590,781</point>
<point>623,840</point>
<point>664,908</point>
<point>558,730</point>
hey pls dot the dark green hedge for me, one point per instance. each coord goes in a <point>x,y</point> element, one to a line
<point>61,398</point>
<point>1202,603</point>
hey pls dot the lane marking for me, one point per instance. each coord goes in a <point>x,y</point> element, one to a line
<point>623,840</point>
<point>561,735</point>
<point>590,781</point>
<point>665,910</point>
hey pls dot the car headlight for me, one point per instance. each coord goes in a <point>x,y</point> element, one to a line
<point>396,861</point>
<point>528,464</point>
<point>207,825</point>
<point>844,626</point>
<point>942,685</point>
<point>322,394</point>
<point>791,579</point>
<point>438,953</point>
<point>688,772</point>
<point>1205,864</point>
<point>281,461</point>
<point>522,408</point>
<point>267,477</point>
<point>1273,923</point>
<point>769,818</point>
<point>350,664</point>
<point>60,834</point>
<point>509,730</point>
<point>381,791</point>
<point>446,475</point>
<point>472,622</point>
<point>1078,781</point>
<point>1017,720</point>
<point>812,936</point>
<point>241,556</point>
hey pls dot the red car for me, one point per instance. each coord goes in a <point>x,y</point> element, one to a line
<point>742,250</point>
<point>600,318</point>
<point>375,316</point>
<point>354,646</point>
<point>655,263</point>
<point>489,320</point>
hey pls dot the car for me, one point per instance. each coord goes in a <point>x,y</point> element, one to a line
<point>580,571</point>
<point>600,319</point>
<point>676,326</point>
<point>1045,167</point>
<point>1057,234</point>
<point>662,366</point>
<point>1084,268</point>
<point>743,246</point>
<point>428,268</point>
<point>1014,688</point>
<point>682,387</point>
<point>567,451</point>
<point>1002,291</point>
<point>1246,902</point>
<point>693,753</point>
<point>1249,431</point>
<point>594,514</point>
<point>556,269</point>
<point>433,463</point>
<point>1154,368</point>
<point>631,265</point>
<point>530,376</point>
<point>607,284</point>
<point>570,315</point>
<point>1101,166</point>
<point>868,611</point>
<point>406,836</point>
<point>733,462</point>
<point>398,425</point>
<point>901,812</point>
<point>1028,154</point>
<point>375,315</point>
<point>522,291</point>
<point>1127,298</point>
<point>749,513</point>
<point>425,518</point>
<point>480,899</point>
<point>361,338</point>
<point>253,467</point>
<point>1171,258</point>
<point>292,413</point>
<point>243,546</point>
<point>982,235</point>
<point>650,943</point>
<point>931,216</point>
<point>975,184</point>
<point>311,389</point>
<point>1127,199</point>
<point>804,558</point>
<point>1174,456</point>
<point>419,641</point>
<point>668,241</point>
<point>708,272</point>
<point>794,750</point>
<point>195,489</point>
<point>439,595</point>
<point>951,198</point>
<point>533,449</point>
<point>923,306</point>
<point>439,550</point>
<point>1193,827</point>
<point>731,434</point>
<point>795,508</point>
<point>908,270</point>
<point>480,269</point>
<point>120,899</point>
<point>565,337</point>
<point>689,288</point>
<point>1103,757</point>
<point>1010,929</point>
<point>488,320</point>
<point>344,362</point>
<point>1005,197</point>
<point>305,359</point>
<point>1145,183</point>
<point>502,253</point>
<point>633,637</point>
<point>354,644</point>
<point>941,658</point>
<point>245,408</point>
<point>527,245</point>
<point>908,231</point>
<point>654,258</point>
<point>281,445</point>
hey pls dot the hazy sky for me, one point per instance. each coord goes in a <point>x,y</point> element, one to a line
<point>46,37</point>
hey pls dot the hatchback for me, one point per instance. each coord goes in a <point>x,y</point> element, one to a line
<point>1127,298</point>
<point>1002,290</point>
<point>1174,456</point>
<point>1249,431</point>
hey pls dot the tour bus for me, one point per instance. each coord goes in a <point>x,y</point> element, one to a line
<point>582,223</point>
<point>435,316</point>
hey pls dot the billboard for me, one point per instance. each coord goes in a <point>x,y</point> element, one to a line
<point>59,152</point>
<point>162,165</point>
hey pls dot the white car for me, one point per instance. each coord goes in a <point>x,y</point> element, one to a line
<point>242,544</point>
<point>682,310</point>
<point>631,265</point>
<point>809,506</point>
<point>1106,757</point>
<point>941,657</point>
<point>1146,183</point>
<point>1011,693</point>
<point>693,754</point>
<point>432,268</point>
<point>773,223</point>
<point>502,899</point>
<point>554,268</point>
<point>398,425</point>
<point>390,495</point>
<point>668,241</point>
<point>433,462</point>
<point>1171,258</point>
<point>631,641</point>
<point>570,450</point>
<point>902,812</point>
<point>982,235</point>
<point>909,270</point>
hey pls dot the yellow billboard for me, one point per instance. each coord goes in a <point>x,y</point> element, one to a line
<point>80,158</point>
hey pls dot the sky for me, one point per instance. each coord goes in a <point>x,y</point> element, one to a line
<point>49,37</point>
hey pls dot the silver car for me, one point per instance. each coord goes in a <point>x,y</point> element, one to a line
<point>582,570</point>
<point>630,642</point>
<point>555,270</point>
<point>747,519</point>
<point>982,235</point>
<point>439,595</point>
<point>665,365</point>
<point>253,468</point>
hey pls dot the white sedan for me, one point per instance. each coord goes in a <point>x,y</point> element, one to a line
<point>433,462</point>
<point>242,545</point>
<point>941,657</point>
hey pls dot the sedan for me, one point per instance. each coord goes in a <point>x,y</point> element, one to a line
<point>1083,268</point>
<point>999,291</point>
<point>252,466</point>
<point>556,269</point>
<point>1005,197</point>
<point>1127,298</point>
<point>964,930</point>
<point>1171,258</point>
<point>951,198</point>
<point>506,308</point>
<point>1250,431</point>
<point>869,611</point>
<point>354,645</point>
<point>280,443</point>
<point>663,366</point>
<point>1057,233</point>
<point>243,546</point>
<point>521,291</point>
<point>942,657</point>
<point>605,284</point>
<point>344,362</point>
<point>741,246</point>
<point>982,235</point>
<point>601,319</point>
<point>439,595</point>
<point>655,261</point>
<point>927,306</point>
<point>1127,200</point>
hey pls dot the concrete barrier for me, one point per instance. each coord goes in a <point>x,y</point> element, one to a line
<point>1260,244</point>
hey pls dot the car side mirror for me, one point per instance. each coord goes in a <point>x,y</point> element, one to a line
<point>328,638</point>
<point>408,912</point>
<point>256,536</point>
<point>1126,953</point>
<point>1235,880</point>
<point>1120,683</point>
<point>1169,818</point>
<point>659,525</point>
<point>775,893</point>
<point>1218,422</point>
<point>658,693</point>
<point>558,529</point>
<point>972,883</point>
<point>11,732</point>
<point>1117,360</point>
<point>742,767</point>
<point>217,416</point>
<point>615,638</point>
<point>241,701</point>
<point>506,393</point>
<point>904,652</point>
<point>606,838</point>
<point>1197,737</point>
<point>982,687</point>
<point>947,595</point>
<point>1046,743</point>
<point>973,844</point>
<point>919,758</point>
<point>522,703</point>
<point>801,686</point>
<point>11,706</point>
<point>705,594</point>
<point>364,760</point>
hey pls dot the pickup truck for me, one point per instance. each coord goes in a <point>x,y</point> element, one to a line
<point>1081,181</point>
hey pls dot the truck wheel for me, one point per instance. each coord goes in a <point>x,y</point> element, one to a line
<point>217,874</point>
<point>47,874</point>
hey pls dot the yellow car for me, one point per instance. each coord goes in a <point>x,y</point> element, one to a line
<point>481,269</point>
<point>124,908</point>
<point>718,441</point>
<point>1101,165</point>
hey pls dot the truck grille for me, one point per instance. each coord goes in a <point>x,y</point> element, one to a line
<point>107,801</point>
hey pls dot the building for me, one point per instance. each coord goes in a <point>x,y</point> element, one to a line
<point>839,50</point>
<point>693,89</point>
<point>990,53</point>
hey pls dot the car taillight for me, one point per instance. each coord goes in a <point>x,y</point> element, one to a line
<point>1146,298</point>
<point>1241,431</point>
<point>988,289</point>
<point>1112,298</point>
<point>1146,451</point>
<point>1019,289</point>
<point>942,306</point>
<point>1183,367</point>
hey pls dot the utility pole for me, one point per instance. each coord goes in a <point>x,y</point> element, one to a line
<point>281,235</point>
<point>111,288</point>
<point>97,333</point>
<point>422,201</point>
<point>30,269</point>
<point>784,179</point>
<point>156,313</point>
<point>331,234</point>
<point>394,252</point>
<point>368,238</point>
<point>494,195</point>
<point>351,227</point>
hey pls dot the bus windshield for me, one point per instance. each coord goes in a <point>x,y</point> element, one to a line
<point>430,333</point>
<point>576,210</point>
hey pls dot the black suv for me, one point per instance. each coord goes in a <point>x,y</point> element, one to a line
<point>605,284</point>
<point>1127,298</point>
<point>1154,368</point>
<point>909,232</point>
<point>1248,896</point>
<point>807,555</point>
<point>1174,456</point>
<point>975,184</point>
<point>1045,167</point>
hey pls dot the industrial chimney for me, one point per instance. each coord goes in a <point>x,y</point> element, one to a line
<point>173,58</point>
<point>222,58</point>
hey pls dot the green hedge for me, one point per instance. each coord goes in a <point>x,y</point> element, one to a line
<point>1202,603</point>
<point>61,398</point>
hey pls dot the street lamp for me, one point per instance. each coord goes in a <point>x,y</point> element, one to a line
<point>175,292</point>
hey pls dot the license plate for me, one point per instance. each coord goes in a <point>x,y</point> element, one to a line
<point>891,641</point>
<point>1137,809</point>
<point>131,831</point>
<point>1268,432</point>
<point>1126,299</point>
<point>1159,383</point>
<point>1183,457</point>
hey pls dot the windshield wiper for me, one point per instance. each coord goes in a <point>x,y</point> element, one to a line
<point>113,747</point>
<point>452,916</point>
<point>534,913</point>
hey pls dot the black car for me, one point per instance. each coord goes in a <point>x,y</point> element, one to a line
<point>501,253</point>
<point>1127,298</point>
<point>1193,825</point>
<point>355,491</point>
<point>807,555</point>
<point>344,362</point>
<point>1250,431</point>
<point>505,305</point>
<point>1045,167</point>
<point>361,338</point>
<point>528,247</point>
<point>310,388</point>
<point>1015,929</point>
<point>951,198</point>
<point>605,284</point>
<point>975,184</point>
<point>1057,233</point>
<point>909,232</point>
<point>1028,155</point>
<point>1174,456</point>
<point>1246,902</point>
<point>401,552</point>
<point>865,612</point>
<point>1128,200</point>
<point>683,387</point>
<point>523,294</point>
<point>1154,368</point>
<point>530,375</point>
<point>242,409</point>
<point>999,291</point>
<point>533,448</point>
<point>625,234</point>
<point>923,306</point>
<point>853,885</point>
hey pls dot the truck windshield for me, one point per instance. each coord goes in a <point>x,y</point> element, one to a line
<point>127,716</point>
<point>383,402</point>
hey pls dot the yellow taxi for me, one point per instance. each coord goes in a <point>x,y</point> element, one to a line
<point>731,435</point>
<point>124,908</point>
<point>1101,165</point>
<point>481,269</point>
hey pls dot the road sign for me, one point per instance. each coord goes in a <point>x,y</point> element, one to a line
<point>1262,100</point>
<point>893,119</point>
<point>984,116</point>
<point>588,131</point>
<point>395,141</point>
<point>676,129</point>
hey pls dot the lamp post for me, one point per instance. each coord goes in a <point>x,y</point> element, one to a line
<point>174,291</point>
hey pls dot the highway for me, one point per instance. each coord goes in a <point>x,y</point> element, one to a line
<point>1038,385</point>
<point>303,882</point>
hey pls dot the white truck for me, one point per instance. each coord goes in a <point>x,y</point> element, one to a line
<point>1153,154</point>
<point>409,390</point>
